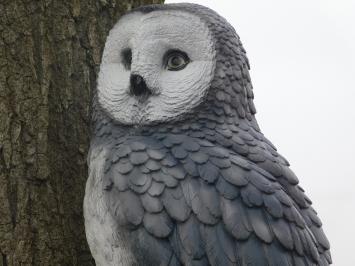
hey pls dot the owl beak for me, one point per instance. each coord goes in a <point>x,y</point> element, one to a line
<point>138,87</point>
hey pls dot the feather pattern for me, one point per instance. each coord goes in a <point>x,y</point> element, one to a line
<point>207,188</point>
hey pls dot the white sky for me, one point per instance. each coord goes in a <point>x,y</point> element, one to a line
<point>302,56</point>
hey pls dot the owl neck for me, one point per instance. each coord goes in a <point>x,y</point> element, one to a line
<point>219,122</point>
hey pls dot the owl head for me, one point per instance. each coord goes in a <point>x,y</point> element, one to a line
<point>162,63</point>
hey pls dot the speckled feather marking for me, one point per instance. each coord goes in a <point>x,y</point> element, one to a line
<point>211,190</point>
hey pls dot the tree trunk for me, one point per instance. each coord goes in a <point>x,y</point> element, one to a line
<point>50,52</point>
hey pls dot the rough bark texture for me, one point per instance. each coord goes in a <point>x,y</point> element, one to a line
<point>49,56</point>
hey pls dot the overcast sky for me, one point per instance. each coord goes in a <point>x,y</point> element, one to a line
<point>302,56</point>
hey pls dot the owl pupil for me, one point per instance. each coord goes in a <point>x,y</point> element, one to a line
<point>176,61</point>
<point>127,58</point>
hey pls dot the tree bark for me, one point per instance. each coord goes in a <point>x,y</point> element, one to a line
<point>50,52</point>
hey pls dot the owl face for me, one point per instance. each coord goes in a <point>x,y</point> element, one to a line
<point>156,67</point>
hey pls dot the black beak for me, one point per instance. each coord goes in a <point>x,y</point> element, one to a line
<point>138,86</point>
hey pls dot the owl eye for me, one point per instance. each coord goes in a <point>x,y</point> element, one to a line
<point>176,60</point>
<point>127,58</point>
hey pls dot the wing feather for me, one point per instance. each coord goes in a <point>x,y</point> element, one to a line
<point>214,207</point>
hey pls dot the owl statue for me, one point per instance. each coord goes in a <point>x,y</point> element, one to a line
<point>179,171</point>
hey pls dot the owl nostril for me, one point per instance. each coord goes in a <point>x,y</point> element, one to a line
<point>138,86</point>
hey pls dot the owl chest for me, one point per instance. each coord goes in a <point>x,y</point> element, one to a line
<point>109,244</point>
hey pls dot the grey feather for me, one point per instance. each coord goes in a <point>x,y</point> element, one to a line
<point>282,232</point>
<point>190,238</point>
<point>151,204</point>
<point>177,172</point>
<point>199,157</point>
<point>156,154</point>
<point>262,183</point>
<point>124,167</point>
<point>260,224</point>
<point>251,252</point>
<point>191,168</point>
<point>153,165</point>
<point>221,162</point>
<point>117,179</point>
<point>191,145</point>
<point>169,161</point>
<point>297,240</point>
<point>158,224</point>
<point>251,196</point>
<point>156,189</point>
<point>131,207</point>
<point>199,202</point>
<point>138,158</point>
<point>278,256</point>
<point>235,219</point>
<point>235,176</point>
<point>219,245</point>
<point>168,180</point>
<point>179,152</point>
<point>226,189</point>
<point>208,172</point>
<point>175,204</point>
<point>137,146</point>
<point>273,206</point>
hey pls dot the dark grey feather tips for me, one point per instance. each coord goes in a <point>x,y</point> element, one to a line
<point>212,204</point>
<point>211,190</point>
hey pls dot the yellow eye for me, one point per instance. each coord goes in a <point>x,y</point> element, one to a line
<point>176,60</point>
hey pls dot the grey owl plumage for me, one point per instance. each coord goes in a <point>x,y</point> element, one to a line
<point>179,171</point>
